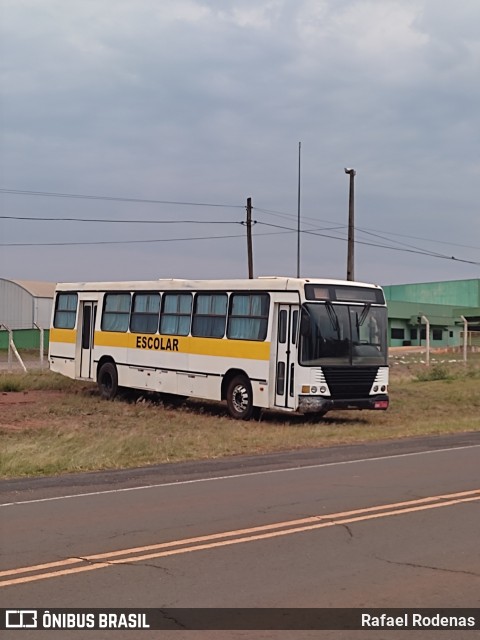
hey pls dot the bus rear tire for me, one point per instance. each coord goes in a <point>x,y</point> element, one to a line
<point>107,381</point>
<point>240,398</point>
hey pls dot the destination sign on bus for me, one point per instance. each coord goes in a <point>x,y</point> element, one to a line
<point>343,293</point>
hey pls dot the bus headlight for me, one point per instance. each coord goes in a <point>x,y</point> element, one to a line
<point>323,389</point>
<point>313,389</point>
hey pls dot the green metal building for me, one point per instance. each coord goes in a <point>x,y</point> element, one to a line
<point>444,304</point>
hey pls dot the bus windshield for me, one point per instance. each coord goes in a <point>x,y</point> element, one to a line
<point>343,334</point>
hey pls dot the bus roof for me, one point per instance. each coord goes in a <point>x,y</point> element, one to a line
<point>262,283</point>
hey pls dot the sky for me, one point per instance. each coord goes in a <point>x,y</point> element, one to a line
<point>149,123</point>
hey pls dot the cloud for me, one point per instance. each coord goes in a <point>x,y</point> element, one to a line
<point>371,38</point>
<point>207,101</point>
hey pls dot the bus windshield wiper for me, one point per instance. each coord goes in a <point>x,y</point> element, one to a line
<point>363,316</point>
<point>333,316</point>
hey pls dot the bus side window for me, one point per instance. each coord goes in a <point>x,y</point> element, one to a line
<point>210,315</point>
<point>145,313</point>
<point>65,311</point>
<point>176,314</point>
<point>87,327</point>
<point>282,326</point>
<point>248,317</point>
<point>294,326</point>
<point>116,312</point>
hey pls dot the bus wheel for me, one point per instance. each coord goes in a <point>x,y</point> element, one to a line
<point>240,398</point>
<point>108,381</point>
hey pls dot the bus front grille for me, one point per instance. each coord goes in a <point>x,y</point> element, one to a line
<point>348,382</point>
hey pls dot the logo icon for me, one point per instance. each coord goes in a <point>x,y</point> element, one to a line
<point>21,619</point>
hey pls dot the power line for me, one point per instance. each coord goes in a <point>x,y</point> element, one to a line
<point>187,203</point>
<point>150,241</point>
<point>122,221</point>
<point>283,214</point>
<point>403,235</point>
<point>77,196</point>
<point>381,246</point>
<point>284,230</point>
<point>405,244</point>
<point>316,232</point>
<point>196,204</point>
<point>104,242</point>
<point>116,221</point>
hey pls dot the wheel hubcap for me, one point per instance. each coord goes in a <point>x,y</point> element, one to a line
<point>240,398</point>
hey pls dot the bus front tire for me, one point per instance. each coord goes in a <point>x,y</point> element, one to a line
<point>240,398</point>
<point>108,381</point>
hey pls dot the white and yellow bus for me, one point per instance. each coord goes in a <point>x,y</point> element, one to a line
<point>291,344</point>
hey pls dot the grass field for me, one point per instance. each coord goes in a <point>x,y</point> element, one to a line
<point>51,425</point>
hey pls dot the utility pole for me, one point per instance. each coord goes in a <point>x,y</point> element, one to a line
<point>298,212</point>
<point>351,225</point>
<point>249,238</point>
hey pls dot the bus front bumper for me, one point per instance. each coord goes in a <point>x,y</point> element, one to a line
<point>314,404</point>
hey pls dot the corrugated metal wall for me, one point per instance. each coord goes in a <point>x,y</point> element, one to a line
<point>461,293</point>
<point>43,312</point>
<point>16,306</point>
<point>19,309</point>
<point>442,303</point>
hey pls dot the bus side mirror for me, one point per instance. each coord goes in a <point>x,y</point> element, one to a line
<point>305,325</point>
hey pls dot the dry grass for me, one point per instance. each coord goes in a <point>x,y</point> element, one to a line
<point>51,425</point>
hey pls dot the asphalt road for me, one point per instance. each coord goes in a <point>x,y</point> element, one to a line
<point>385,525</point>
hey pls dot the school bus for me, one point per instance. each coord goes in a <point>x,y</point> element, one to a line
<point>291,344</point>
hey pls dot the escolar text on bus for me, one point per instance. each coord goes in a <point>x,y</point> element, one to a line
<point>157,344</point>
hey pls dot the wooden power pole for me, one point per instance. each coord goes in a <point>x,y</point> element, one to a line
<point>249,238</point>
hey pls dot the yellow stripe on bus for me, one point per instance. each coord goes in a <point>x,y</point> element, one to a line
<point>250,349</point>
<point>63,335</point>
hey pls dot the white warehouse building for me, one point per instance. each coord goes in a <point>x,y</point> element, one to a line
<point>25,304</point>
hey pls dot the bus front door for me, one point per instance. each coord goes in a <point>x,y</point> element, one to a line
<point>287,322</point>
<point>87,315</point>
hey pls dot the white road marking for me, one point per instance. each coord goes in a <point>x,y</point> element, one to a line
<point>239,475</point>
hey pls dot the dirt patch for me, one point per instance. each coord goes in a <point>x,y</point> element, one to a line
<point>8,398</point>
<point>15,404</point>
